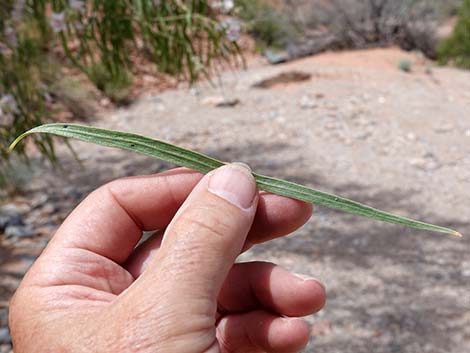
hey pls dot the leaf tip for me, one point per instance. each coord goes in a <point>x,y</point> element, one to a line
<point>14,143</point>
<point>19,138</point>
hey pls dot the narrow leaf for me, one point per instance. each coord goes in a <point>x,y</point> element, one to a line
<point>197,161</point>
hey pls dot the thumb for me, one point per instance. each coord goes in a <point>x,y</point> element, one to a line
<point>205,237</point>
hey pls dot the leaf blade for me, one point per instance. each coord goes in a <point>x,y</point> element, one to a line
<point>197,161</point>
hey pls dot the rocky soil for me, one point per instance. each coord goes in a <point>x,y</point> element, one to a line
<point>358,127</point>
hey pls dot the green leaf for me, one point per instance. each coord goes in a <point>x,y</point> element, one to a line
<point>204,164</point>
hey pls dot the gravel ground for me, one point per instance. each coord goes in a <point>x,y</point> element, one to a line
<point>359,127</point>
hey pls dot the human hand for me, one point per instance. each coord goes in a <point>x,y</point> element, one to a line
<point>93,290</point>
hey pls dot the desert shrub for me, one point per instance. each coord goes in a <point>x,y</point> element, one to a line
<point>355,24</point>
<point>365,23</point>
<point>456,49</point>
<point>113,83</point>
<point>99,38</point>
<point>405,65</point>
<point>270,27</point>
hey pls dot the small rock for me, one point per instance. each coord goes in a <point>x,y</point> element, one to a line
<point>10,215</point>
<point>275,58</point>
<point>443,129</point>
<point>39,201</point>
<point>15,220</point>
<point>5,348</point>
<point>382,100</point>
<point>465,269</point>
<point>363,135</point>
<point>18,231</point>
<point>212,101</point>
<point>219,101</point>
<point>321,328</point>
<point>149,79</point>
<point>467,133</point>
<point>427,163</point>
<point>3,223</point>
<point>411,137</point>
<point>151,98</point>
<point>360,243</point>
<point>73,193</point>
<point>5,335</point>
<point>331,126</point>
<point>105,102</point>
<point>418,163</point>
<point>273,115</point>
<point>228,103</point>
<point>10,209</point>
<point>50,208</point>
<point>307,103</point>
<point>160,107</point>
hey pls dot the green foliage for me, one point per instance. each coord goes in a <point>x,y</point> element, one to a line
<point>100,38</point>
<point>22,95</point>
<point>456,49</point>
<point>270,27</point>
<point>181,37</point>
<point>114,84</point>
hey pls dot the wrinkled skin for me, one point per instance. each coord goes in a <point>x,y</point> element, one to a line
<point>94,290</point>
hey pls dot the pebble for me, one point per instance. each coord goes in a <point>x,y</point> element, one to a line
<point>307,103</point>
<point>10,209</point>
<point>228,103</point>
<point>331,126</point>
<point>39,201</point>
<point>5,349</point>
<point>105,102</point>
<point>5,335</point>
<point>159,108</point>
<point>467,133</point>
<point>212,101</point>
<point>427,163</point>
<point>363,135</point>
<point>10,215</point>
<point>19,231</point>
<point>465,269</point>
<point>443,129</point>
<point>3,222</point>
<point>220,102</point>
<point>149,79</point>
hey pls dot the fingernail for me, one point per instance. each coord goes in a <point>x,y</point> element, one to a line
<point>308,278</point>
<point>235,184</point>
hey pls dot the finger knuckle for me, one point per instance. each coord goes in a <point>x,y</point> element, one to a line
<point>210,221</point>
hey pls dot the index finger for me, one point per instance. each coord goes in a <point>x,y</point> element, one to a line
<point>110,221</point>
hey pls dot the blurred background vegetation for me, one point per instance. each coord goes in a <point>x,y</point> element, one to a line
<point>43,40</point>
<point>49,48</point>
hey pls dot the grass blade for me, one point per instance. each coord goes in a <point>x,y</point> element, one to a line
<point>197,161</point>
